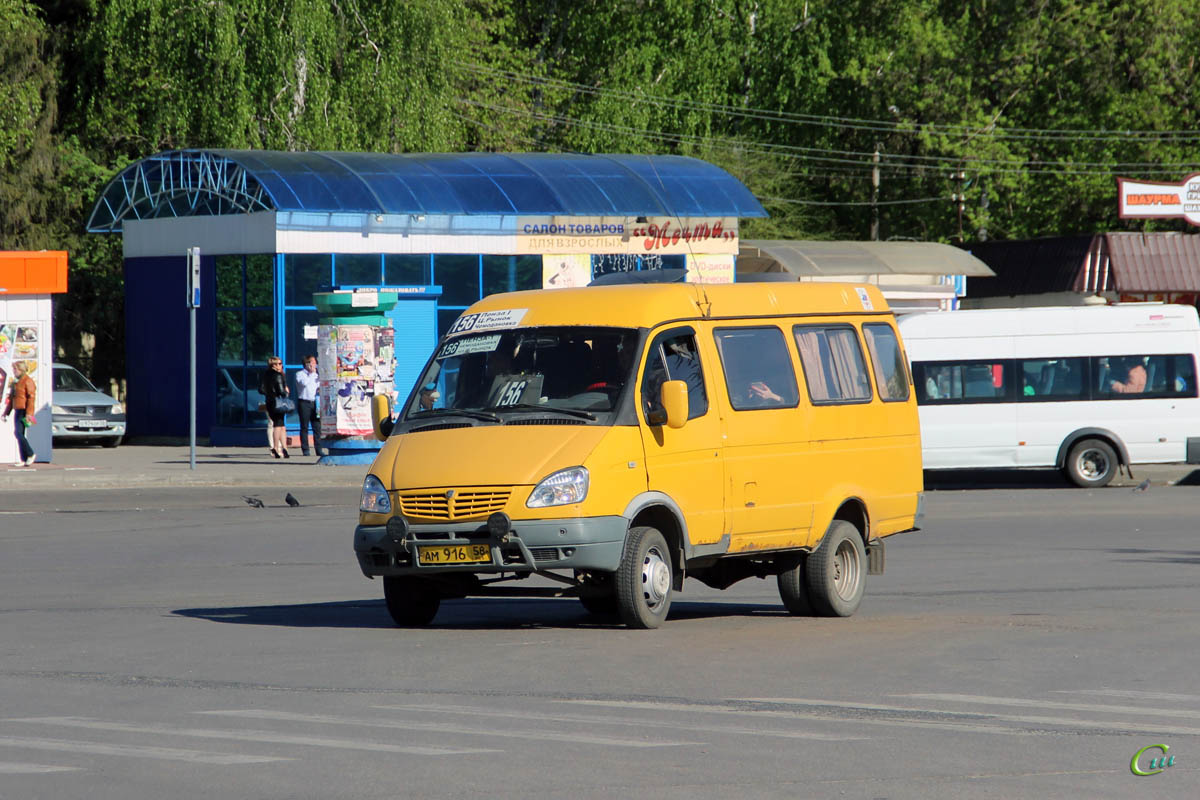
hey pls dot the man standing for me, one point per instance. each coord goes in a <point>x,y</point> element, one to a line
<point>307,383</point>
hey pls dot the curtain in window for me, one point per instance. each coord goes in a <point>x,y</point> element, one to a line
<point>809,344</point>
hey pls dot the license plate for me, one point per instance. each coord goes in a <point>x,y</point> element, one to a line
<point>455,554</point>
<point>91,423</point>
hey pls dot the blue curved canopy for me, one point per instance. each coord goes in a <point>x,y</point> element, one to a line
<point>209,182</point>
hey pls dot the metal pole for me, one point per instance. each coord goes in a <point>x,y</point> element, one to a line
<point>192,407</point>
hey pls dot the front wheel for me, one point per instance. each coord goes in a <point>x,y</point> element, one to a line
<point>644,579</point>
<point>1091,463</point>
<point>836,571</point>
<point>412,601</point>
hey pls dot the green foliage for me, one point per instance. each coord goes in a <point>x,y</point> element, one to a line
<point>1027,100</point>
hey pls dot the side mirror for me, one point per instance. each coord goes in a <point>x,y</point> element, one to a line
<point>674,399</point>
<point>381,416</point>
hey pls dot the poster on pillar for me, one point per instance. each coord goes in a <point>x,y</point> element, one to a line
<point>354,361</point>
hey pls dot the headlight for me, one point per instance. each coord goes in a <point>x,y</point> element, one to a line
<point>57,410</point>
<point>560,488</point>
<point>374,497</point>
<point>117,408</point>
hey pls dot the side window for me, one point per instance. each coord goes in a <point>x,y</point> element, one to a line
<point>1045,379</point>
<point>1128,377</point>
<point>833,363</point>
<point>962,381</point>
<point>672,356</point>
<point>758,370</point>
<point>887,361</point>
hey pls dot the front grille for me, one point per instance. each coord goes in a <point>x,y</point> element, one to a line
<point>544,553</point>
<point>463,504</point>
<point>441,426</point>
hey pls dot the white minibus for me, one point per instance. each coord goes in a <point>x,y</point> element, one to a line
<point>1087,389</point>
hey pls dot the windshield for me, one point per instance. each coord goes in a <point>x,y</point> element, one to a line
<point>578,371</point>
<point>69,379</point>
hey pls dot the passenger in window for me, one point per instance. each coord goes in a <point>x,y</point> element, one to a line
<point>1135,377</point>
<point>759,394</point>
<point>931,388</point>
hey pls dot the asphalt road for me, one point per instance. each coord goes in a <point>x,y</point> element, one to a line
<point>178,643</point>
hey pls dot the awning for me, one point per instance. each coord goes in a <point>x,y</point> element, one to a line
<point>1155,262</point>
<point>806,258</point>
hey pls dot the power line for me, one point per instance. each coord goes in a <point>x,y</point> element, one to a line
<point>947,164</point>
<point>848,123</point>
<point>855,202</point>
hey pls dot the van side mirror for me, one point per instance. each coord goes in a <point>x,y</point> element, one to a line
<point>674,399</point>
<point>381,416</point>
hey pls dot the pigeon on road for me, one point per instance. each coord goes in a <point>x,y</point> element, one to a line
<point>254,502</point>
<point>1143,486</point>
<point>291,501</point>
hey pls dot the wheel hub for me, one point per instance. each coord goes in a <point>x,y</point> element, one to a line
<point>1092,464</point>
<point>656,578</point>
<point>846,571</point>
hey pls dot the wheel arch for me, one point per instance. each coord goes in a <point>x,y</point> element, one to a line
<point>1080,434</point>
<point>852,509</point>
<point>660,512</point>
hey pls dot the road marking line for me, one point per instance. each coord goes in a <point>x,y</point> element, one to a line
<point>1134,694</point>
<point>437,727</point>
<point>135,751</point>
<point>252,736</point>
<point>10,768</point>
<point>1021,702</point>
<point>1018,718</point>
<point>960,727</point>
<point>625,721</point>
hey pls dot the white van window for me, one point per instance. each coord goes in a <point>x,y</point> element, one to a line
<point>833,363</point>
<point>672,356</point>
<point>962,381</point>
<point>758,370</point>
<point>1048,379</point>
<point>1132,376</point>
<point>887,361</point>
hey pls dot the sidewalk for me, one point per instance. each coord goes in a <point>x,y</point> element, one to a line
<point>130,466</point>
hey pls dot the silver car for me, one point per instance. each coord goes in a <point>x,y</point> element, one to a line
<point>81,412</point>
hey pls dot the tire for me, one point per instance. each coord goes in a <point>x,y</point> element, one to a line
<point>111,441</point>
<point>412,601</point>
<point>836,571</point>
<point>644,579</point>
<point>793,588</point>
<point>1092,463</point>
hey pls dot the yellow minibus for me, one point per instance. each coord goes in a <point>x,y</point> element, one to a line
<point>619,439</point>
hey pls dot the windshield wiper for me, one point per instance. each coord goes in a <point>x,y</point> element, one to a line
<point>460,412</point>
<point>571,412</point>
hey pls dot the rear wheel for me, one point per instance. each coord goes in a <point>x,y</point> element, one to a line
<point>793,589</point>
<point>1092,463</point>
<point>836,570</point>
<point>412,601</point>
<point>644,579</point>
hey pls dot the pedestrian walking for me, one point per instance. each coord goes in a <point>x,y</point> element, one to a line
<point>22,402</point>
<point>307,383</point>
<point>275,389</point>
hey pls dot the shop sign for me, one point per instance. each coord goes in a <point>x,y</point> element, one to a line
<point>661,236</point>
<point>710,269</point>
<point>1147,200</point>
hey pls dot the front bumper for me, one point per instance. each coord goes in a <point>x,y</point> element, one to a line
<point>86,427</point>
<point>584,543</point>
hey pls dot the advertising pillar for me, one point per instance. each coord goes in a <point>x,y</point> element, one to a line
<point>356,359</point>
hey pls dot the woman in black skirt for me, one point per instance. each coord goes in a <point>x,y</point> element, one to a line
<point>273,387</point>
